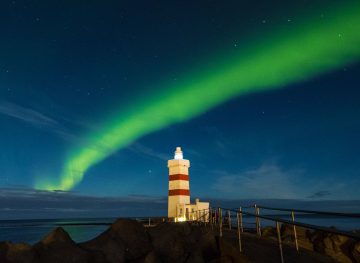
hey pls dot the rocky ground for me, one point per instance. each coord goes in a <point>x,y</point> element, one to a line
<point>340,248</point>
<point>129,241</point>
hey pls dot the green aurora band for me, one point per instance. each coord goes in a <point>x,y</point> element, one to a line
<point>270,63</point>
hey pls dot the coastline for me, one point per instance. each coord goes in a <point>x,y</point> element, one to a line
<point>130,241</point>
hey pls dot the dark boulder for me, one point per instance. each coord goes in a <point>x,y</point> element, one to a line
<point>17,253</point>
<point>170,241</point>
<point>338,247</point>
<point>59,247</point>
<point>125,240</point>
<point>151,258</point>
<point>269,232</point>
<point>303,236</point>
<point>335,246</point>
<point>356,252</point>
<point>183,243</point>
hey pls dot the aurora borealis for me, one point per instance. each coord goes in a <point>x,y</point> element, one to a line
<point>278,60</point>
<point>262,97</point>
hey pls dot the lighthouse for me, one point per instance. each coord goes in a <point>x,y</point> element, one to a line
<point>179,206</point>
<point>179,189</point>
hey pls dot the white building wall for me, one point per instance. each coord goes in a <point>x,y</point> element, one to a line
<point>197,211</point>
<point>172,204</point>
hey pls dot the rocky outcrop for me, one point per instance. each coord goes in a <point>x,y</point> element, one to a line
<point>129,241</point>
<point>356,252</point>
<point>340,248</point>
<point>58,247</point>
<point>183,243</point>
<point>125,240</point>
<point>19,252</point>
<point>303,236</point>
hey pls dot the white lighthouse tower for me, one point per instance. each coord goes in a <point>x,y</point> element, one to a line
<point>179,190</point>
<point>179,206</point>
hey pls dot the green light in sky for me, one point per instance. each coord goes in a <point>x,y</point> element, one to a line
<point>311,49</point>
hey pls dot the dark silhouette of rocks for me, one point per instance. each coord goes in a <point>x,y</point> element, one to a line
<point>59,247</point>
<point>183,243</point>
<point>340,248</point>
<point>337,247</point>
<point>19,252</point>
<point>125,240</point>
<point>356,252</point>
<point>130,241</point>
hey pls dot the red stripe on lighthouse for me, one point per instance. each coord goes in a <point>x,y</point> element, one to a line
<point>179,192</point>
<point>174,177</point>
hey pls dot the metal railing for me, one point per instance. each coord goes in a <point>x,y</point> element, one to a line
<point>353,215</point>
<point>216,217</point>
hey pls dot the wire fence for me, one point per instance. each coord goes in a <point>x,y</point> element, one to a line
<point>223,218</point>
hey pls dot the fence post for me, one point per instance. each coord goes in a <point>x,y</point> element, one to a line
<point>295,234</point>
<point>205,212</point>
<point>229,219</point>
<point>215,217</point>
<point>149,221</point>
<point>279,240</point>
<point>241,221</point>
<point>256,220</point>
<point>239,231</point>
<point>220,222</point>
<point>258,227</point>
<point>210,218</point>
<point>259,222</point>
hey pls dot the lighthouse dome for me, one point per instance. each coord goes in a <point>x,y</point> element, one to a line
<point>178,154</point>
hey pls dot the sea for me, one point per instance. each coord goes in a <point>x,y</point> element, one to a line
<point>32,231</point>
<point>84,229</point>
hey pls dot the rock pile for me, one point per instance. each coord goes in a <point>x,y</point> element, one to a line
<point>130,241</point>
<point>340,248</point>
<point>126,241</point>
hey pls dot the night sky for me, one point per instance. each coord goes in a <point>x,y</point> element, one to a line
<point>96,95</point>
